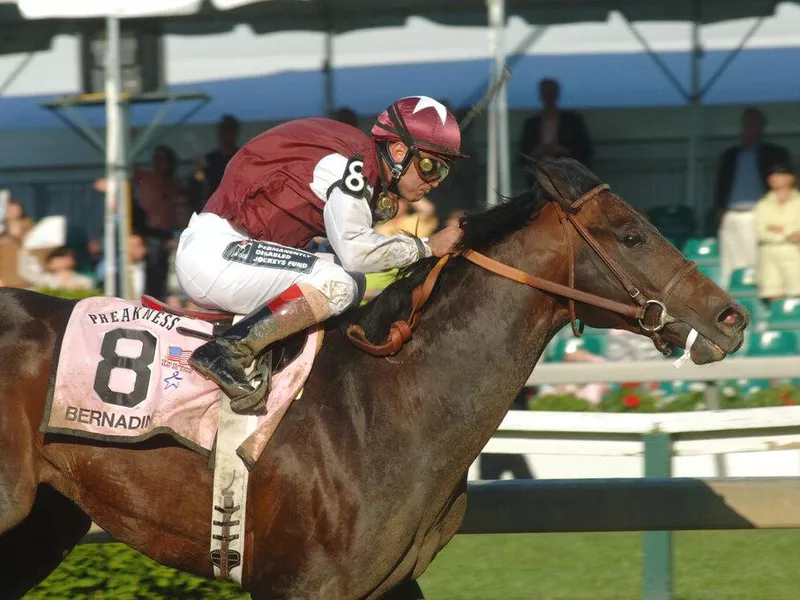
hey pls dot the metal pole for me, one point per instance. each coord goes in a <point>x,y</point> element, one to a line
<point>713,403</point>
<point>327,73</point>
<point>657,545</point>
<point>694,116</point>
<point>501,103</point>
<point>491,142</point>
<point>113,158</point>
<point>126,195</point>
<point>12,77</point>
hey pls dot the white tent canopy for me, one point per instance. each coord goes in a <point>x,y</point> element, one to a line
<point>197,16</point>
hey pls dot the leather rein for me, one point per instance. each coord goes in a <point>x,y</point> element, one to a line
<point>401,331</point>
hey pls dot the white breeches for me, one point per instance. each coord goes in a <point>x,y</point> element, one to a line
<point>218,267</point>
<point>778,271</point>
<point>738,242</point>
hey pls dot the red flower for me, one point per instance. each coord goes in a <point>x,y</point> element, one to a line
<point>785,396</point>
<point>789,402</point>
<point>631,401</point>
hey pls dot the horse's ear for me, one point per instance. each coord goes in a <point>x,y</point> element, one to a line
<point>550,183</point>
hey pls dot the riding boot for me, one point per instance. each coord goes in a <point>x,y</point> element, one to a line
<point>225,358</point>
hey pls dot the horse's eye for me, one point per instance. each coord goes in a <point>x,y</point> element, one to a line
<point>632,240</point>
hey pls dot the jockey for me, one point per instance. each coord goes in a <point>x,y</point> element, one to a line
<point>305,178</point>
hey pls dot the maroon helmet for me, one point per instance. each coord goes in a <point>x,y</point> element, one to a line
<point>421,123</point>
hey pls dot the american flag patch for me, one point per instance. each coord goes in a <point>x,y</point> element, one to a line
<point>179,355</point>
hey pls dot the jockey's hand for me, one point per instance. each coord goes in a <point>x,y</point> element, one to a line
<point>445,241</point>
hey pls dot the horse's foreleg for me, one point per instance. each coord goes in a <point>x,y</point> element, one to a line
<point>31,550</point>
<point>409,590</point>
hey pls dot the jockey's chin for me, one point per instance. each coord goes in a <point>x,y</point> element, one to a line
<point>417,194</point>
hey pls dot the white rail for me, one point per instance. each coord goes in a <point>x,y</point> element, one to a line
<point>613,434</point>
<point>782,367</point>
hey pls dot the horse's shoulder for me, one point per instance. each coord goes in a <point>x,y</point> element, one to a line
<point>19,307</point>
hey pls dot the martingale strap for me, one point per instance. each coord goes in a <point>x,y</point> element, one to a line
<point>400,331</point>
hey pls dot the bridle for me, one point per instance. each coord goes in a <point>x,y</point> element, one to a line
<point>401,331</point>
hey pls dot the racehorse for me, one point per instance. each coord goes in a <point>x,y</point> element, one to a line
<point>364,480</point>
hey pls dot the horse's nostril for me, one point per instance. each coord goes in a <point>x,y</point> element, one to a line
<point>730,317</point>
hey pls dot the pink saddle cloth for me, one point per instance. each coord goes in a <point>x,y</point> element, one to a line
<point>123,376</point>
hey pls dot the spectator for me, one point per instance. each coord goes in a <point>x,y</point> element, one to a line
<point>461,191</point>
<point>346,115</point>
<point>13,228</point>
<point>418,219</point>
<point>137,254</point>
<point>137,257</point>
<point>555,132</point>
<point>58,273</point>
<point>16,223</point>
<point>207,176</point>
<point>777,220</point>
<point>741,181</point>
<point>160,194</point>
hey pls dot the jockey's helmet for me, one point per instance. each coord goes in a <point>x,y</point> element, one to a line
<point>421,123</point>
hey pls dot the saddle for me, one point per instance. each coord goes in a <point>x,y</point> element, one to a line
<point>267,364</point>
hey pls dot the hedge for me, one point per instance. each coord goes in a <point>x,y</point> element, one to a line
<point>639,400</point>
<point>116,572</point>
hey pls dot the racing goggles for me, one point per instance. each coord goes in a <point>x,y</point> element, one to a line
<point>431,169</point>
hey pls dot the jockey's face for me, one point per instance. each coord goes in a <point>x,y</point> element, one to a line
<point>411,185</point>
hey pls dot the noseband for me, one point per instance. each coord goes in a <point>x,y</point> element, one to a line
<point>401,331</point>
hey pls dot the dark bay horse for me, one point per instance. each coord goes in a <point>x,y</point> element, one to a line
<point>365,479</point>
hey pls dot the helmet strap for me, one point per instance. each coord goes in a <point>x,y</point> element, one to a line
<point>396,169</point>
<point>386,204</point>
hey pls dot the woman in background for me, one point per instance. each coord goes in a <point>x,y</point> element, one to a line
<point>777,217</point>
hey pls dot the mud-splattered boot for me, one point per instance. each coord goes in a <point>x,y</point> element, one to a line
<point>225,358</point>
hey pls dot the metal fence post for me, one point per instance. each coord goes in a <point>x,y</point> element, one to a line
<point>657,545</point>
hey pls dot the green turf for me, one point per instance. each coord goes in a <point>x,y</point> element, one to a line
<point>732,565</point>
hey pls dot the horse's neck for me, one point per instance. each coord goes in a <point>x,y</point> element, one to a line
<point>478,345</point>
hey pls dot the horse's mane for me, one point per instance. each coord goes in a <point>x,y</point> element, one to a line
<point>481,231</point>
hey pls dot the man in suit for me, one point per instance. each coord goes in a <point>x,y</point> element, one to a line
<point>208,173</point>
<point>741,182</point>
<point>555,132</point>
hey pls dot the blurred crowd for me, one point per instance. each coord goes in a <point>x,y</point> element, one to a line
<point>757,208</point>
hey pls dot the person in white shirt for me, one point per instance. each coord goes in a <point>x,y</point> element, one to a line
<point>777,225</point>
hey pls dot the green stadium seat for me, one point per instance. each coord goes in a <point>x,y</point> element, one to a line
<point>759,314</point>
<point>712,271</point>
<point>773,343</point>
<point>743,283</point>
<point>703,251</point>
<point>675,222</point>
<point>784,314</point>
<point>594,343</point>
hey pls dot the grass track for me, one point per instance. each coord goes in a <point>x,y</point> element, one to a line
<point>726,565</point>
<point>731,565</point>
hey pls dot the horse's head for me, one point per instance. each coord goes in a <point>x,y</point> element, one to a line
<point>619,255</point>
